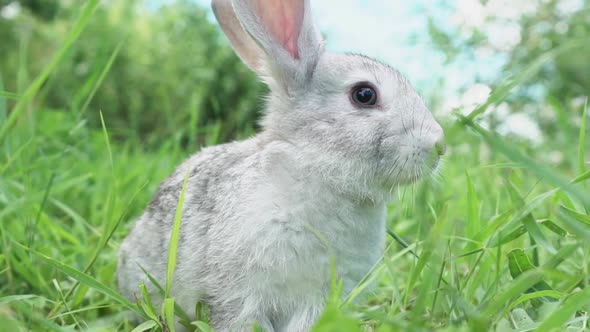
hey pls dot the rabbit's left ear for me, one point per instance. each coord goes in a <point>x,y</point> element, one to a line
<point>285,32</point>
<point>244,46</point>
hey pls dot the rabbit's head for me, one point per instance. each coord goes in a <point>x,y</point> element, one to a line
<point>356,121</point>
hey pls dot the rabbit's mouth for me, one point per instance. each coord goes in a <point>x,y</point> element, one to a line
<point>406,161</point>
<point>429,166</point>
<point>417,169</point>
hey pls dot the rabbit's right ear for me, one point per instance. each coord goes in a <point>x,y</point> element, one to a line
<point>276,38</point>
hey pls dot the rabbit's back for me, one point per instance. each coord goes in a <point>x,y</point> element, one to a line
<point>147,244</point>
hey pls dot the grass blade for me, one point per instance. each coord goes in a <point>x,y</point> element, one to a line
<point>566,311</point>
<point>519,263</point>
<point>147,305</point>
<point>574,225</point>
<point>35,222</point>
<point>107,141</point>
<point>87,280</point>
<point>4,96</point>
<point>535,295</point>
<point>168,313</point>
<point>582,139</point>
<point>173,244</point>
<point>582,177</point>
<point>101,77</point>
<point>529,221</point>
<point>579,216</point>
<point>203,327</point>
<point>550,225</point>
<point>512,290</point>
<point>14,298</point>
<point>178,310</point>
<point>9,95</point>
<point>147,325</point>
<point>473,222</point>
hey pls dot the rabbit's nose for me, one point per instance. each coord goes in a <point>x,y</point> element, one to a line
<point>441,147</point>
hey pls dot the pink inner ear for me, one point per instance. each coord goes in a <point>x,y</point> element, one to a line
<point>283,19</point>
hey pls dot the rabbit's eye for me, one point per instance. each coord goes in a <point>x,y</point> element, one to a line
<point>364,96</point>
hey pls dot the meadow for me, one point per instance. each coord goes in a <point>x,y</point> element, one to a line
<point>92,121</point>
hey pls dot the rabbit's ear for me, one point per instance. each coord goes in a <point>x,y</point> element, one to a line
<point>250,53</point>
<point>282,29</point>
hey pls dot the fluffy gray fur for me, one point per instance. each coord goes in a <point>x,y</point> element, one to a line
<point>264,217</point>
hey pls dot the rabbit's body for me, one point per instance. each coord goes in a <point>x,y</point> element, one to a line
<point>263,244</point>
<point>263,219</point>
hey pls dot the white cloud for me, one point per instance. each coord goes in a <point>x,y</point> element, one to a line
<point>472,14</point>
<point>469,14</point>
<point>503,36</point>
<point>10,11</point>
<point>523,126</point>
<point>510,10</point>
<point>568,7</point>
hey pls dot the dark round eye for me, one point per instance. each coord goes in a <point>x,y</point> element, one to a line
<point>364,95</point>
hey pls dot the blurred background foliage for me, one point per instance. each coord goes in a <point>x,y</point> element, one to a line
<point>548,103</point>
<point>532,29</point>
<point>173,74</point>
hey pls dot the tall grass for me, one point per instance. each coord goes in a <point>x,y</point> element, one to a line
<point>501,243</point>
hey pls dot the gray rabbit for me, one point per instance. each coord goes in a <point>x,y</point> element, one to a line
<point>263,218</point>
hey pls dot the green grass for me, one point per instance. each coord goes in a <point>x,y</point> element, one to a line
<point>501,242</point>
